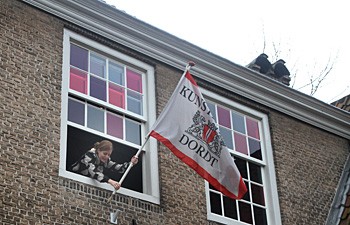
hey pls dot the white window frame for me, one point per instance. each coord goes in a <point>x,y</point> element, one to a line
<point>273,214</point>
<point>150,160</point>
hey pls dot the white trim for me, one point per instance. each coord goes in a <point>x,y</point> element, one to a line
<point>150,165</point>
<point>268,169</point>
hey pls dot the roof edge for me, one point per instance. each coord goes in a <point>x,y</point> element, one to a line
<point>118,26</point>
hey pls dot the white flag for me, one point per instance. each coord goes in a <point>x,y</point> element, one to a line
<point>187,128</point>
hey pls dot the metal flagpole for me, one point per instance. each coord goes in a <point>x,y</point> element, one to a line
<point>129,168</point>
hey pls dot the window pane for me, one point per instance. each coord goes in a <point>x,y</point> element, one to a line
<point>212,110</point>
<point>114,125</point>
<point>253,128</point>
<point>133,132</point>
<point>245,212</point>
<point>95,118</point>
<point>242,167</point>
<point>254,148</point>
<point>260,216</point>
<point>78,80</point>
<point>79,57</point>
<point>215,203</point>
<point>98,88</point>
<point>227,136</point>
<point>258,194</point>
<point>247,194</point>
<point>241,143</point>
<point>76,111</point>
<point>238,123</point>
<point>135,102</point>
<point>116,95</point>
<point>224,117</point>
<point>134,80</point>
<point>230,208</point>
<point>97,65</point>
<point>116,73</point>
<point>255,173</point>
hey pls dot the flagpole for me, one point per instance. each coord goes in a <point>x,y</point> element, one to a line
<point>129,167</point>
<point>189,65</point>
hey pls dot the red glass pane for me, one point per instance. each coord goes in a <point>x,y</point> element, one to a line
<point>114,126</point>
<point>253,128</point>
<point>224,117</point>
<point>134,80</point>
<point>78,80</point>
<point>241,143</point>
<point>116,95</point>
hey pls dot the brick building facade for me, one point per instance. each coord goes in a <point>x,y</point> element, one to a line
<point>303,143</point>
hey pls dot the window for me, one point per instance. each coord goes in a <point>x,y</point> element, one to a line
<point>108,95</point>
<point>246,134</point>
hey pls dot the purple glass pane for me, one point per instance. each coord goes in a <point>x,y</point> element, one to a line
<point>258,194</point>
<point>114,125</point>
<point>98,88</point>
<point>224,117</point>
<point>79,57</point>
<point>254,148</point>
<point>76,112</point>
<point>241,143</point>
<point>253,128</point>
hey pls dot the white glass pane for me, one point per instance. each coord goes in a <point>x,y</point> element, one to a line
<point>133,132</point>
<point>95,118</point>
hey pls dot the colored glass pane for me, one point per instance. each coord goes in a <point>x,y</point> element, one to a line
<point>224,117</point>
<point>240,143</point>
<point>76,112</point>
<point>98,88</point>
<point>114,125</point>
<point>227,136</point>
<point>78,80</point>
<point>134,80</point>
<point>212,110</point>
<point>253,128</point>
<point>79,57</point>
<point>116,95</point>
<point>254,148</point>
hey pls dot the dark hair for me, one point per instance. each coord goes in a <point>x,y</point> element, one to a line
<point>104,145</point>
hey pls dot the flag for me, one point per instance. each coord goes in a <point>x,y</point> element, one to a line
<point>187,128</point>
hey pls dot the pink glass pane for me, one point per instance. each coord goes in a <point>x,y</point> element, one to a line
<point>134,80</point>
<point>78,80</point>
<point>114,126</point>
<point>224,117</point>
<point>241,143</point>
<point>116,95</point>
<point>253,128</point>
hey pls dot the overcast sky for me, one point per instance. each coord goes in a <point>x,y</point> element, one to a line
<point>308,34</point>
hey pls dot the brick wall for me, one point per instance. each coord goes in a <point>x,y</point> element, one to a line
<point>308,161</point>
